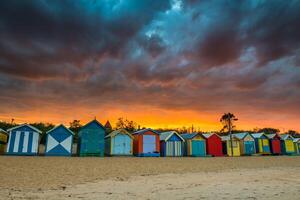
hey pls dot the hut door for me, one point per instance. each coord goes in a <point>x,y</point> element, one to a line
<point>149,143</point>
<point>249,147</point>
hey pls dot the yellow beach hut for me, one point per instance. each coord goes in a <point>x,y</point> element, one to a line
<point>236,149</point>
<point>287,144</point>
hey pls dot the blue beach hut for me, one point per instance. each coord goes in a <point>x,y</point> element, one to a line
<point>91,139</point>
<point>171,144</point>
<point>59,141</point>
<point>23,140</point>
<point>119,143</point>
<point>194,144</point>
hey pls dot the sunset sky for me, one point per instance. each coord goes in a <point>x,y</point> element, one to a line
<point>160,63</point>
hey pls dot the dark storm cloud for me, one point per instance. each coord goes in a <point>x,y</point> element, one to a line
<point>203,55</point>
<point>37,36</point>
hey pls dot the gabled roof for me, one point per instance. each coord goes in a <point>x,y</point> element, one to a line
<point>208,135</point>
<point>144,130</point>
<point>296,140</point>
<point>3,131</point>
<point>241,136</point>
<point>93,121</point>
<point>258,135</point>
<point>227,137</point>
<point>164,136</point>
<point>187,136</point>
<point>285,136</point>
<point>61,125</point>
<point>28,125</point>
<point>108,125</point>
<point>273,135</point>
<point>119,131</point>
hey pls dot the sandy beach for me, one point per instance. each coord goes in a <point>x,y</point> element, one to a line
<point>150,178</point>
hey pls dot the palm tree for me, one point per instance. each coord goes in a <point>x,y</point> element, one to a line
<point>227,120</point>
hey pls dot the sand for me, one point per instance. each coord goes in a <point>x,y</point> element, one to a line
<point>150,178</point>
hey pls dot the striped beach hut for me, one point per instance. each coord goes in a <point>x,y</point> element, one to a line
<point>213,144</point>
<point>275,143</point>
<point>247,143</point>
<point>171,144</point>
<point>297,145</point>
<point>59,141</point>
<point>3,140</point>
<point>194,144</point>
<point>23,140</point>
<point>262,145</point>
<point>91,139</point>
<point>226,144</point>
<point>146,143</point>
<point>119,143</point>
<point>287,144</point>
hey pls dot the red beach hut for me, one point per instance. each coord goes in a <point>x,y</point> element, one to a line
<point>275,143</point>
<point>146,143</point>
<point>213,144</point>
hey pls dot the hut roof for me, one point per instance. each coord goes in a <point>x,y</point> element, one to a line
<point>144,130</point>
<point>227,137</point>
<point>116,132</point>
<point>93,121</point>
<point>258,135</point>
<point>3,131</point>
<point>273,135</point>
<point>296,140</point>
<point>188,135</point>
<point>208,135</point>
<point>241,136</point>
<point>108,125</point>
<point>166,135</point>
<point>61,125</point>
<point>285,136</point>
<point>28,125</point>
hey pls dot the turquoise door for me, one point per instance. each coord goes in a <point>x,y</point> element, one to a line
<point>249,147</point>
<point>198,148</point>
<point>122,145</point>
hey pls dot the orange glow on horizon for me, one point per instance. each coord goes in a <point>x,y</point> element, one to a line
<point>147,117</point>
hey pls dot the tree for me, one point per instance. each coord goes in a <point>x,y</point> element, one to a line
<point>44,127</point>
<point>293,133</point>
<point>269,130</point>
<point>126,124</point>
<point>75,125</point>
<point>228,124</point>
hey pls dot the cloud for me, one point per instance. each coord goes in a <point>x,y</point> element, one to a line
<point>208,56</point>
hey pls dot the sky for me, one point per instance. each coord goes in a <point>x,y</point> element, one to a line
<point>167,63</point>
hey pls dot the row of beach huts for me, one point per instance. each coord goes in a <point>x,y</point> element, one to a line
<point>93,141</point>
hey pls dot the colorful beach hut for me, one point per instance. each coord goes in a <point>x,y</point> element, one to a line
<point>171,144</point>
<point>59,141</point>
<point>3,140</point>
<point>213,144</point>
<point>226,144</point>
<point>262,145</point>
<point>23,140</point>
<point>194,144</point>
<point>146,143</point>
<point>247,143</point>
<point>275,143</point>
<point>91,139</point>
<point>287,144</point>
<point>297,145</point>
<point>119,143</point>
